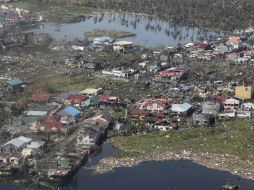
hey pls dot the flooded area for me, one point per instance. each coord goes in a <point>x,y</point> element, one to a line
<point>171,175</point>
<point>150,32</point>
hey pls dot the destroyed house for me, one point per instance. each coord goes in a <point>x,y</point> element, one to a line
<point>120,72</point>
<point>92,66</point>
<point>202,119</point>
<point>41,97</point>
<point>210,108</point>
<point>138,114</point>
<point>89,136</point>
<point>105,40</point>
<point>122,46</point>
<point>154,105</point>
<point>46,164</point>
<point>172,73</point>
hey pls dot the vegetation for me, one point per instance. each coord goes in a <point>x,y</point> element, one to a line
<point>110,33</point>
<point>232,138</point>
<point>54,12</point>
<point>227,14</point>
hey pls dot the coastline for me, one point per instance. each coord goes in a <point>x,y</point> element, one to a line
<point>231,164</point>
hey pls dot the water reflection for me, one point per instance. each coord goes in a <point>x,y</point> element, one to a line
<point>174,175</point>
<point>149,31</point>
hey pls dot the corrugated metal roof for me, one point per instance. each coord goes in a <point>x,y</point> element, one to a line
<point>15,82</point>
<point>180,107</point>
<point>36,113</point>
<point>18,142</point>
<point>36,144</point>
<point>72,111</point>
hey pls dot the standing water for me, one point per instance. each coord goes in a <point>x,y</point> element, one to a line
<point>150,32</point>
<point>168,175</point>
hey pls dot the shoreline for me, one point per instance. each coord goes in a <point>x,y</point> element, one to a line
<point>228,163</point>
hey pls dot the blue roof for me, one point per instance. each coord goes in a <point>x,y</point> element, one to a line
<point>72,111</point>
<point>186,88</point>
<point>15,82</point>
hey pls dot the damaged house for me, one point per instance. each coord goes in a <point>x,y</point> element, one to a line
<point>15,145</point>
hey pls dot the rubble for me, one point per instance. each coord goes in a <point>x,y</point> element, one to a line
<point>214,161</point>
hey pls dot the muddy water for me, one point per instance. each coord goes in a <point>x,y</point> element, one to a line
<point>168,175</point>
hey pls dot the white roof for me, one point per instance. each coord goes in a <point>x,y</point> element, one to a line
<point>180,107</point>
<point>25,139</point>
<point>18,142</point>
<point>36,113</point>
<point>36,144</point>
<point>231,100</point>
<point>248,104</point>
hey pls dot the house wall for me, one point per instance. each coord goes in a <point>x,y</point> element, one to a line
<point>9,148</point>
<point>3,160</point>
<point>155,108</point>
<point>244,92</point>
<point>244,114</point>
<point>248,107</point>
<point>199,119</point>
<point>14,161</point>
<point>118,48</point>
<point>231,104</point>
<point>84,140</point>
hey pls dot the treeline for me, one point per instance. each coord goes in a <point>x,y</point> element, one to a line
<point>221,14</point>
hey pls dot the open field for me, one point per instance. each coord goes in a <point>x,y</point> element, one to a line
<point>233,138</point>
<point>226,15</point>
<point>54,12</point>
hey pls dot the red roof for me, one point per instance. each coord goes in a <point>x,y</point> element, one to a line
<point>234,40</point>
<point>174,73</point>
<point>52,122</point>
<point>77,98</point>
<point>159,115</point>
<point>104,98</point>
<point>42,96</point>
<point>202,45</point>
<point>138,112</point>
<point>221,99</point>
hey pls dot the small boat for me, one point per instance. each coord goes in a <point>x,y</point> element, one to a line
<point>229,186</point>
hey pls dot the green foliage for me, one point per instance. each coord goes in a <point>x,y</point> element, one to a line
<point>110,33</point>
<point>233,138</point>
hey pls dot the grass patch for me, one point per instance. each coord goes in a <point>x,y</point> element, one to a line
<point>110,33</point>
<point>55,12</point>
<point>233,138</point>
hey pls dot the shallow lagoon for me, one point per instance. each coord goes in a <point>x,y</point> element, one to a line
<point>150,32</point>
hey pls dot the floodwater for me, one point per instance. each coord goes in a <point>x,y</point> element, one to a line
<point>162,175</point>
<point>149,32</point>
